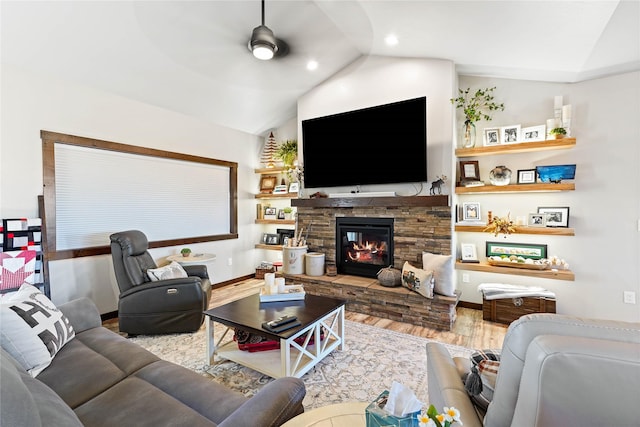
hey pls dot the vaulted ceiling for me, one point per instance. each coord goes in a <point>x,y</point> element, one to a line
<point>192,57</point>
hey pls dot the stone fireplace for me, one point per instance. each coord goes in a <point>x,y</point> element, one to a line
<point>417,224</point>
<point>363,245</point>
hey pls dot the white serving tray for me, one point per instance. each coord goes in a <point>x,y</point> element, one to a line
<point>291,293</point>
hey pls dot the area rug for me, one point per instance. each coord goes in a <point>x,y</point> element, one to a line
<point>373,358</point>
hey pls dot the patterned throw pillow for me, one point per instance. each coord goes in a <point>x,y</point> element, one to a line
<point>417,280</point>
<point>481,381</point>
<point>32,329</point>
<point>171,271</point>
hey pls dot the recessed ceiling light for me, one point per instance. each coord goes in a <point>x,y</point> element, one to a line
<point>391,40</point>
<point>312,65</point>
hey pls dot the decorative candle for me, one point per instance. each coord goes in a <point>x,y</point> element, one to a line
<point>566,112</point>
<point>280,284</point>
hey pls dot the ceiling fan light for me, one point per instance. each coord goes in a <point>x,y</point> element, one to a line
<point>263,43</point>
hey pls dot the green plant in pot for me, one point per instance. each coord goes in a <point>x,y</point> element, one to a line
<point>476,106</point>
<point>185,252</point>
<point>287,152</point>
<point>558,132</point>
<point>287,212</point>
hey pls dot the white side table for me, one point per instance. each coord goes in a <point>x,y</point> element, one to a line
<point>192,259</point>
<point>349,414</point>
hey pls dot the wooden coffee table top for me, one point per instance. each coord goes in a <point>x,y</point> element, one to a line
<point>249,313</point>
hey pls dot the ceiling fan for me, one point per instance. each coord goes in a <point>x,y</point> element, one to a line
<point>264,45</point>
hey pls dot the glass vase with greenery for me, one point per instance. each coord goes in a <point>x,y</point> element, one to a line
<point>476,106</point>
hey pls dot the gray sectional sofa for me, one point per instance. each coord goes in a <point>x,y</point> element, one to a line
<point>99,378</point>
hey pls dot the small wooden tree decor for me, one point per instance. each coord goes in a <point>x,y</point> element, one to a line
<point>269,150</point>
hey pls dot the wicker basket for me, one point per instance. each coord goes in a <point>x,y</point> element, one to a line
<point>260,272</point>
<point>390,277</point>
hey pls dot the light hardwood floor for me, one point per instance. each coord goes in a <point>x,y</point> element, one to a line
<point>469,329</point>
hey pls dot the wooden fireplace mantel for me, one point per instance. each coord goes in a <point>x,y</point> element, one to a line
<point>350,202</point>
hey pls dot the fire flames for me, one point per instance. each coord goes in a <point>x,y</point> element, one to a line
<point>369,252</point>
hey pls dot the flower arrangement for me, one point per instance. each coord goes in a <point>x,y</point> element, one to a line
<point>432,418</point>
<point>478,105</point>
<point>501,226</point>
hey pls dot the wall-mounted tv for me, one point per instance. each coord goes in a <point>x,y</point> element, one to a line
<point>383,144</point>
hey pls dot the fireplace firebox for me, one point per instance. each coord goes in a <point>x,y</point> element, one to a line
<point>363,245</point>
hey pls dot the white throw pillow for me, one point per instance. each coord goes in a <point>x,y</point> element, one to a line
<point>417,280</point>
<point>32,329</point>
<point>171,271</point>
<point>442,267</point>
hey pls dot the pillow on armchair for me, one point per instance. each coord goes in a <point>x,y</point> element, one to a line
<point>171,271</point>
<point>32,329</point>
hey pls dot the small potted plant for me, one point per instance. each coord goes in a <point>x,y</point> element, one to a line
<point>185,252</point>
<point>287,212</point>
<point>559,133</point>
<point>287,152</point>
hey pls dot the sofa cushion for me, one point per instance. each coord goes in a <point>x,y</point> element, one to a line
<point>442,267</point>
<point>171,271</point>
<point>94,361</point>
<point>417,280</point>
<point>26,401</point>
<point>32,329</point>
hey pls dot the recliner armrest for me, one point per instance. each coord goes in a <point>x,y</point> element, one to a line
<point>273,405</point>
<point>579,381</point>
<point>446,387</point>
<point>197,270</point>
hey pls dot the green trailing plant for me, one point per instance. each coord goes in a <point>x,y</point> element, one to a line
<point>558,131</point>
<point>478,105</point>
<point>287,152</point>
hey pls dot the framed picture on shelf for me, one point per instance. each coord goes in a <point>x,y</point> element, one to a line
<point>281,214</point>
<point>491,136</point>
<point>272,239</point>
<point>510,134</point>
<point>537,220</point>
<point>471,211</point>
<point>534,133</point>
<point>526,176</point>
<point>524,250</point>
<point>469,170</point>
<point>556,217</point>
<point>268,183</point>
<point>294,187</point>
<point>468,252</point>
<point>270,213</point>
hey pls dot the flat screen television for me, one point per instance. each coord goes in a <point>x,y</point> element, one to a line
<point>384,144</point>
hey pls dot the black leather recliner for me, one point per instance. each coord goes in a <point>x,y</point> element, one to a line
<point>160,307</point>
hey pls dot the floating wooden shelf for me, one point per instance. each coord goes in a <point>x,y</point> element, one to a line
<point>276,221</point>
<point>523,147</point>
<point>552,231</point>
<point>277,196</point>
<point>516,188</point>
<point>543,274</point>
<point>269,247</point>
<point>267,171</point>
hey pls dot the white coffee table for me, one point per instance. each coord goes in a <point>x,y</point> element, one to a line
<point>348,414</point>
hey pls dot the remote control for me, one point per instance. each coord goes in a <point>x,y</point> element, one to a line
<point>281,320</point>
